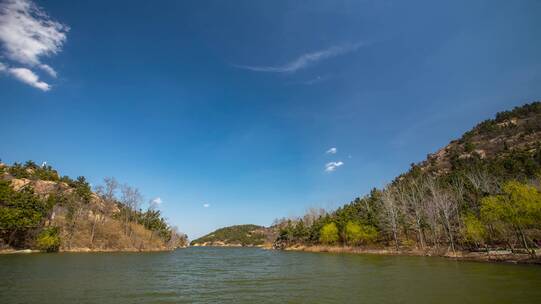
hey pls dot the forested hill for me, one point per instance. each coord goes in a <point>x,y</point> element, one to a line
<point>480,192</point>
<point>238,235</point>
<point>39,209</point>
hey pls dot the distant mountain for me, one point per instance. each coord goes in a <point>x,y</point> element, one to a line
<point>238,235</point>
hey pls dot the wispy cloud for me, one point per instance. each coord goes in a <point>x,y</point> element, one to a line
<point>331,166</point>
<point>317,79</point>
<point>332,150</point>
<point>306,60</point>
<point>27,34</point>
<point>157,201</point>
<point>311,81</point>
<point>48,69</point>
<point>27,76</point>
<point>206,205</point>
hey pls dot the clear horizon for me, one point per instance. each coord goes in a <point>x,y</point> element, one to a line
<point>239,114</point>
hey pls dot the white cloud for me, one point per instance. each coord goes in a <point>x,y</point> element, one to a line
<point>317,79</point>
<point>332,150</point>
<point>307,59</point>
<point>3,67</point>
<point>331,166</point>
<point>27,34</point>
<point>48,69</point>
<point>206,205</point>
<point>154,203</point>
<point>27,76</point>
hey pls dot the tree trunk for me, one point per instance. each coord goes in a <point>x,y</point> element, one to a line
<point>11,235</point>
<point>126,224</point>
<point>72,226</point>
<point>395,239</point>
<point>525,243</point>
<point>451,239</point>
<point>92,232</point>
<point>420,233</point>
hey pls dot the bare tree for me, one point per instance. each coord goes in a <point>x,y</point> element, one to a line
<point>74,210</point>
<point>131,199</point>
<point>410,193</point>
<point>280,222</point>
<point>447,208</point>
<point>110,188</point>
<point>95,218</point>
<point>312,215</point>
<point>482,181</point>
<point>432,219</point>
<point>458,189</point>
<point>178,239</point>
<point>391,210</point>
<point>107,193</point>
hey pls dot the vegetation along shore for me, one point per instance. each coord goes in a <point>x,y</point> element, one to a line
<point>477,198</point>
<point>43,211</point>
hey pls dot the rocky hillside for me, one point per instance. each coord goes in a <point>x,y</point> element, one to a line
<point>41,210</point>
<point>481,192</point>
<point>238,235</point>
<point>511,135</point>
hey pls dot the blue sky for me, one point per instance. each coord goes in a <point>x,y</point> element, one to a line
<point>234,104</point>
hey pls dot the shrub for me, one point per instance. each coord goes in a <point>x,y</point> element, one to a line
<point>358,233</point>
<point>469,146</point>
<point>329,234</point>
<point>519,206</point>
<point>474,231</point>
<point>49,240</point>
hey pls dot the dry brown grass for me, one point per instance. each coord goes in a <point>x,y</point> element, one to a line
<point>109,235</point>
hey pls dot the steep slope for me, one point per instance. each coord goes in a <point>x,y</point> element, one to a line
<point>238,235</point>
<point>41,210</point>
<point>480,192</point>
<point>511,135</point>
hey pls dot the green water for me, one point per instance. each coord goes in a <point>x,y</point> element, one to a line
<point>229,275</point>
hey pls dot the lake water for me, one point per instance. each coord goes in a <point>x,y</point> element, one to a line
<point>249,275</point>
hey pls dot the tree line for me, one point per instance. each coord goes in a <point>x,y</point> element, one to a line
<point>467,201</point>
<point>471,209</point>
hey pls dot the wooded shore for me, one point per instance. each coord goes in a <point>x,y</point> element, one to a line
<point>505,256</point>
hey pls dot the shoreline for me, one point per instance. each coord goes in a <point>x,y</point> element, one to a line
<point>87,250</point>
<point>495,256</point>
<point>225,245</point>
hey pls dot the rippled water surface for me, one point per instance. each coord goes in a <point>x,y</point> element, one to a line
<point>241,275</point>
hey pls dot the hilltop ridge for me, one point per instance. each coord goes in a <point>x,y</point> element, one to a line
<point>510,135</point>
<point>237,236</point>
